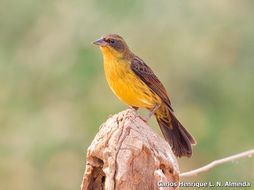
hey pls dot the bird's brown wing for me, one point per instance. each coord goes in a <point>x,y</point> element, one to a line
<point>145,73</point>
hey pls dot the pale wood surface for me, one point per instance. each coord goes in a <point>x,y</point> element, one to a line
<point>127,154</point>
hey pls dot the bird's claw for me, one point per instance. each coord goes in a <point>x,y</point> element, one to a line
<point>145,119</point>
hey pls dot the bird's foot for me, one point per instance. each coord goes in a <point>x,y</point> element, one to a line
<point>133,108</point>
<point>151,113</point>
<point>145,119</point>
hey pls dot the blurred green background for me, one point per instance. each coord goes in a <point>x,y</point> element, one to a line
<point>53,93</point>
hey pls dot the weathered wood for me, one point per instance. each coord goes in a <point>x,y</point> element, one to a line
<point>127,154</point>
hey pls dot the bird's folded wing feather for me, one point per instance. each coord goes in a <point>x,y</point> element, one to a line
<point>145,73</point>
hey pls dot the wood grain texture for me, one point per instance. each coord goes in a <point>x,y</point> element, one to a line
<point>127,154</point>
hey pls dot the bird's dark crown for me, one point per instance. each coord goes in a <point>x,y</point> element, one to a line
<point>116,42</point>
<point>113,36</point>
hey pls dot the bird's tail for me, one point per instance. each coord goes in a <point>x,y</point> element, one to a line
<point>174,132</point>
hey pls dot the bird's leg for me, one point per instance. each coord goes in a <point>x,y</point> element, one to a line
<point>155,108</point>
<point>152,111</point>
<point>133,108</point>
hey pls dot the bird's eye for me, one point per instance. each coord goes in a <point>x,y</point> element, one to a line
<point>110,41</point>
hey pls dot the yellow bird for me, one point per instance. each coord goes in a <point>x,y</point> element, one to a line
<point>135,84</point>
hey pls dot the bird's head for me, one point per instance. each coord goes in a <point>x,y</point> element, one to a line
<point>112,45</point>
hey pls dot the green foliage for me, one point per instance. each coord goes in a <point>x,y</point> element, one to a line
<point>53,94</point>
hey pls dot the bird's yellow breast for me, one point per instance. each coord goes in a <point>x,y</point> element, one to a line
<point>126,85</point>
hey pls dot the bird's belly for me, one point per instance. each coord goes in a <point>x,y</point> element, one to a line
<point>133,92</point>
<point>129,88</point>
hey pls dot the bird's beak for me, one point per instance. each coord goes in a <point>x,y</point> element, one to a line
<point>100,42</point>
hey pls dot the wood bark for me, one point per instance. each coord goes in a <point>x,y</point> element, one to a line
<point>127,154</point>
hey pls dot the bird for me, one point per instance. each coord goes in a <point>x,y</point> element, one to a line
<point>136,85</point>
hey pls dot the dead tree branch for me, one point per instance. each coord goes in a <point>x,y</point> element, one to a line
<point>127,154</point>
<point>207,167</point>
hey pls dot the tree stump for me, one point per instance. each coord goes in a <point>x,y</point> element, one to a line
<point>127,154</point>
